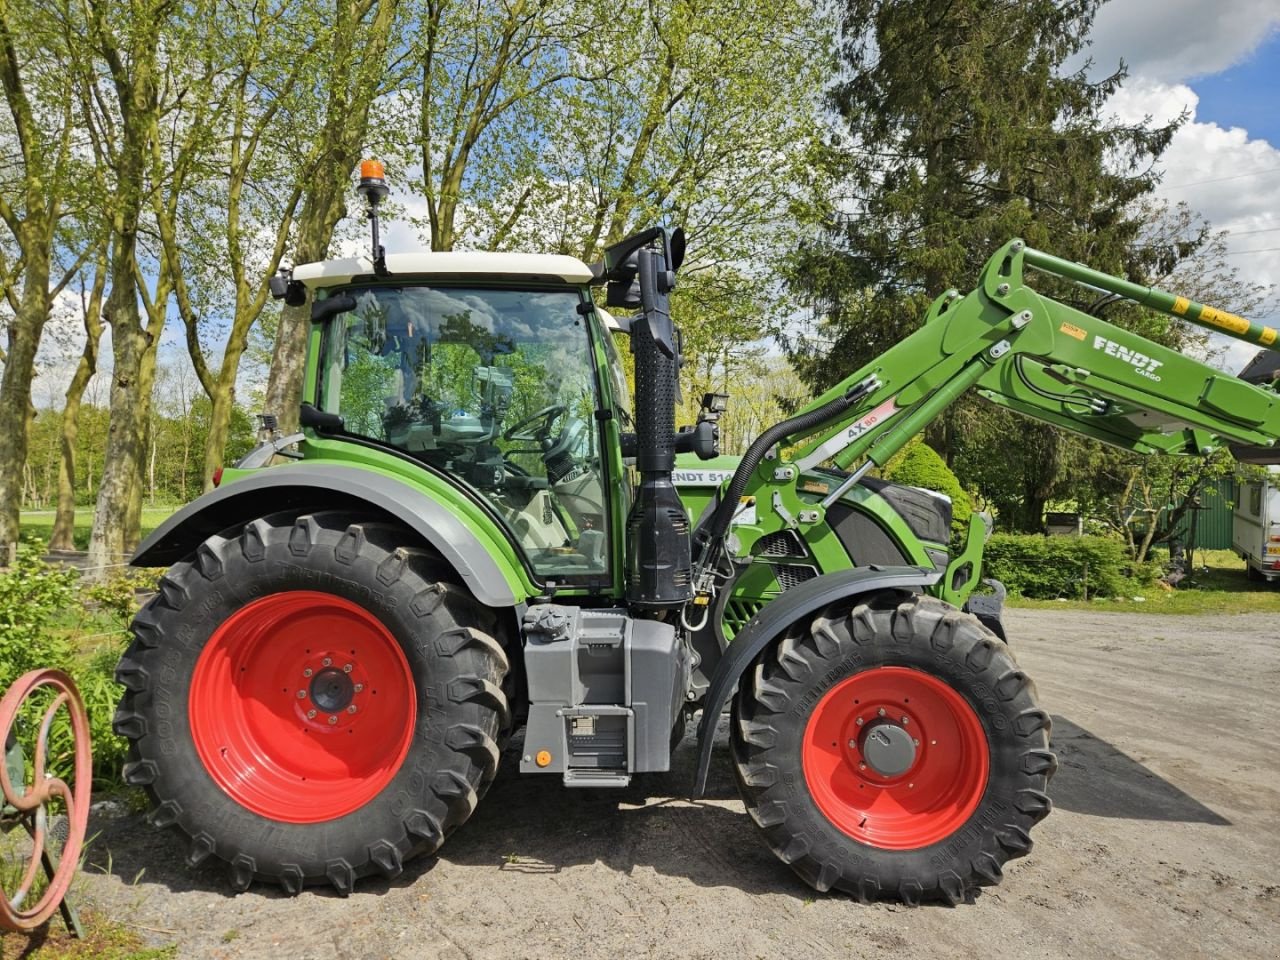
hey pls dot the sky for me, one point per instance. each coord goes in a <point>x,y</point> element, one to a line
<point>1219,61</point>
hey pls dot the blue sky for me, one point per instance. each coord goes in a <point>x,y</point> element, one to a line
<point>1245,95</point>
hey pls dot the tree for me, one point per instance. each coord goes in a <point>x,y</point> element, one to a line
<point>62,537</point>
<point>34,201</point>
<point>227,236</point>
<point>124,97</point>
<point>960,131</point>
<point>356,55</point>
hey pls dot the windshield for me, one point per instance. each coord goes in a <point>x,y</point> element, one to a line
<point>495,387</point>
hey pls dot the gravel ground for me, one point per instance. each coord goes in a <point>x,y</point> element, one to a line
<point>1163,842</point>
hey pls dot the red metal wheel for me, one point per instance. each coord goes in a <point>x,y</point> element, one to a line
<point>30,805</point>
<point>302,706</point>
<point>895,758</point>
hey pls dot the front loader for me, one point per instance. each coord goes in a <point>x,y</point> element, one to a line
<point>476,532</point>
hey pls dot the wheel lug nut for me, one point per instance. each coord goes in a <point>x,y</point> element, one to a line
<point>306,672</point>
<point>910,786</point>
<point>326,661</point>
<point>346,668</point>
<point>302,694</point>
<point>358,687</point>
<point>880,711</point>
<point>916,741</point>
<point>351,709</point>
<point>332,720</point>
<point>310,714</point>
<point>858,721</point>
<point>862,766</point>
<point>905,721</point>
<point>853,744</point>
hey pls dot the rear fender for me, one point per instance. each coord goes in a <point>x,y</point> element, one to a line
<point>797,604</point>
<point>333,487</point>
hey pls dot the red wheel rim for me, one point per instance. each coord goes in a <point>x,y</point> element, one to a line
<point>943,779</point>
<point>302,706</point>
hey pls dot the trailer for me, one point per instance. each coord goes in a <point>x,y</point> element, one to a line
<point>1255,526</point>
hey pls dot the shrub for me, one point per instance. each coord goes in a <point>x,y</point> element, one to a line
<point>33,594</point>
<point>48,618</point>
<point>1046,568</point>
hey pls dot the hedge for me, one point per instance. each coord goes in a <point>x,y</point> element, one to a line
<point>1045,568</point>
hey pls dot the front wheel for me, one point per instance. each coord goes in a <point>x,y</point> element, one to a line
<point>895,750</point>
<point>311,700</point>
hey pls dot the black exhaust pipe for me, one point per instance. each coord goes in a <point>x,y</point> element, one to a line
<point>659,569</point>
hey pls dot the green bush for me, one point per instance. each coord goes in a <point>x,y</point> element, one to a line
<point>48,618</point>
<point>1045,568</point>
<point>918,465</point>
<point>33,594</point>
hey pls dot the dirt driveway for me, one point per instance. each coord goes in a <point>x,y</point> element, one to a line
<point>1163,844</point>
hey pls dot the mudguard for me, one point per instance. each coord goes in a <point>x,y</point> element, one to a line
<point>328,487</point>
<point>796,604</point>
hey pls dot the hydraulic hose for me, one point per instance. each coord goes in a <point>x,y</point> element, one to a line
<point>714,529</point>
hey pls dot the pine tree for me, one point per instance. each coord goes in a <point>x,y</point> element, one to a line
<point>959,129</point>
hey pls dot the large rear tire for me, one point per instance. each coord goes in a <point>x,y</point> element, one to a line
<point>893,751</point>
<point>310,700</point>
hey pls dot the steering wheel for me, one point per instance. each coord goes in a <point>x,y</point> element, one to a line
<point>548,416</point>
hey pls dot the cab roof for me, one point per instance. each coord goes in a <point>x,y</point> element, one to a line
<point>530,266</point>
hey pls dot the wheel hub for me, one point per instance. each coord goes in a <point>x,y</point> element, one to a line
<point>888,749</point>
<point>332,690</point>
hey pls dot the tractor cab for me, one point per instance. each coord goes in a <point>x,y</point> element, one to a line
<point>504,387</point>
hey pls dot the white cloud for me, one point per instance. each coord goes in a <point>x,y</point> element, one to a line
<point>1230,179</point>
<point>1178,39</point>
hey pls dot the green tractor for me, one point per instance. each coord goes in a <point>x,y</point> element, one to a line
<point>481,532</point>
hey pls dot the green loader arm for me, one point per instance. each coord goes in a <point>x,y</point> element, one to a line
<point>1018,349</point>
<point>1054,363</point>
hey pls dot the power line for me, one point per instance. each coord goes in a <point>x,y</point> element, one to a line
<point>1238,176</point>
<point>1239,253</point>
<point>1245,233</point>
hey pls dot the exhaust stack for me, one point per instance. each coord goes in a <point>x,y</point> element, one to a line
<point>642,274</point>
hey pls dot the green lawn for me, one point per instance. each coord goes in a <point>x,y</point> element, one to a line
<point>1222,588</point>
<point>39,523</point>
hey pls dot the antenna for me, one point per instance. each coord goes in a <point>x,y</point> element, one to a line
<point>373,187</point>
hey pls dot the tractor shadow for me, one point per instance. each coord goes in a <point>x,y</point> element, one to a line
<point>533,824</point>
<point>1097,779</point>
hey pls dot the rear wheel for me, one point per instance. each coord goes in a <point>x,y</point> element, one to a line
<point>310,700</point>
<point>894,750</point>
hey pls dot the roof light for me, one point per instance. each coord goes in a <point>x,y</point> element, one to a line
<point>373,180</point>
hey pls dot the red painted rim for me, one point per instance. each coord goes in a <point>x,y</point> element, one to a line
<point>302,706</point>
<point>938,792</point>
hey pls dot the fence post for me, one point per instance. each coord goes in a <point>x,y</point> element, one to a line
<point>1086,581</point>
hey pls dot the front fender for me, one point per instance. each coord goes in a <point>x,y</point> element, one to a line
<point>332,486</point>
<point>796,604</point>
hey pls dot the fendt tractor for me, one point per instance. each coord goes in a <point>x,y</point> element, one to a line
<point>477,531</point>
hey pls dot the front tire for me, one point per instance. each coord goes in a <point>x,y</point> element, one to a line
<point>893,751</point>
<point>310,701</point>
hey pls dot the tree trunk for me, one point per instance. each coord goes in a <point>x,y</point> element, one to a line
<point>64,521</point>
<point>221,404</point>
<point>289,358</point>
<point>15,389</point>
<point>126,437</point>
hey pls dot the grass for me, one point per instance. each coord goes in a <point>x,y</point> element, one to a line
<point>1220,587</point>
<point>39,523</point>
<point>105,939</point>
